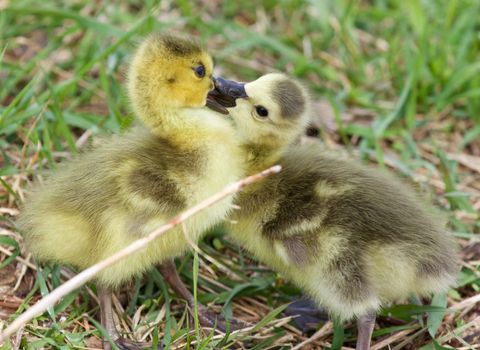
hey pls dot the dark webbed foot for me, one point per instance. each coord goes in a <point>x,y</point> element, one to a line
<point>306,314</point>
<point>206,318</point>
<point>209,319</point>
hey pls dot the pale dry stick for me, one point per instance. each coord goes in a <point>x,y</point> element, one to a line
<point>463,341</point>
<point>464,312</point>
<point>246,330</point>
<point>257,303</point>
<point>295,330</point>
<point>326,329</point>
<point>63,272</point>
<point>9,211</point>
<point>135,246</point>
<point>283,341</point>
<point>124,322</point>
<point>391,339</point>
<point>281,322</point>
<point>471,162</point>
<point>137,317</point>
<point>222,265</point>
<point>67,273</point>
<point>447,337</point>
<point>327,345</point>
<point>472,300</point>
<point>23,271</point>
<point>215,283</point>
<point>18,338</point>
<point>21,260</point>
<point>476,206</point>
<point>82,140</point>
<point>211,260</point>
<point>152,325</point>
<point>203,263</point>
<point>200,253</point>
<point>240,307</point>
<point>409,339</point>
<point>469,265</point>
<point>470,347</point>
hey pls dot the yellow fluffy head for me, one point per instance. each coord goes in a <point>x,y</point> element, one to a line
<point>275,112</point>
<point>168,72</point>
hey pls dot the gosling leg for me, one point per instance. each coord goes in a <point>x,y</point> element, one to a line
<point>365,326</point>
<point>106,316</point>
<point>205,317</point>
<point>107,321</point>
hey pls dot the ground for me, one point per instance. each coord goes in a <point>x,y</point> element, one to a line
<point>396,84</point>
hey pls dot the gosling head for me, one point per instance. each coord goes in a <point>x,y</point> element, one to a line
<point>168,72</point>
<point>270,112</point>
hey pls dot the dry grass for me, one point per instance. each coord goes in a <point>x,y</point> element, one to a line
<point>396,85</point>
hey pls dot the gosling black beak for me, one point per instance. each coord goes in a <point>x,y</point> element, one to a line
<point>230,88</point>
<point>225,94</point>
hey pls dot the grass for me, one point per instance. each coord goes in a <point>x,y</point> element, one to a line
<point>398,83</point>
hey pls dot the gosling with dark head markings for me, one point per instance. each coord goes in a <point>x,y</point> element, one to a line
<point>352,237</point>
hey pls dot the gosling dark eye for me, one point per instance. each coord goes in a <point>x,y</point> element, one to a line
<point>200,71</point>
<point>261,111</point>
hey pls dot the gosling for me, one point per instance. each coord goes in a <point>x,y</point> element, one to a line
<point>352,237</point>
<point>103,200</point>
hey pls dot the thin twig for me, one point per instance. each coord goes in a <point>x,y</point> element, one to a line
<point>409,339</point>
<point>391,339</point>
<point>135,246</point>
<point>447,337</point>
<point>466,302</point>
<point>23,271</point>
<point>326,329</point>
<point>21,260</point>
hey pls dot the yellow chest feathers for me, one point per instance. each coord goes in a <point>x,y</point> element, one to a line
<point>219,147</point>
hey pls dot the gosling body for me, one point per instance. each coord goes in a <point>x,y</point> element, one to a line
<point>101,201</point>
<point>352,237</point>
<point>133,183</point>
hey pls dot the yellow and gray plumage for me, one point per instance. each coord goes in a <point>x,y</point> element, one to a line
<point>363,234</point>
<point>352,237</point>
<point>101,201</point>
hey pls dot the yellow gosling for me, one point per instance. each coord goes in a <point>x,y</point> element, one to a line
<point>103,200</point>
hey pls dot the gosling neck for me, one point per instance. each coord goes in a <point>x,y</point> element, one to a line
<point>259,157</point>
<point>183,126</point>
